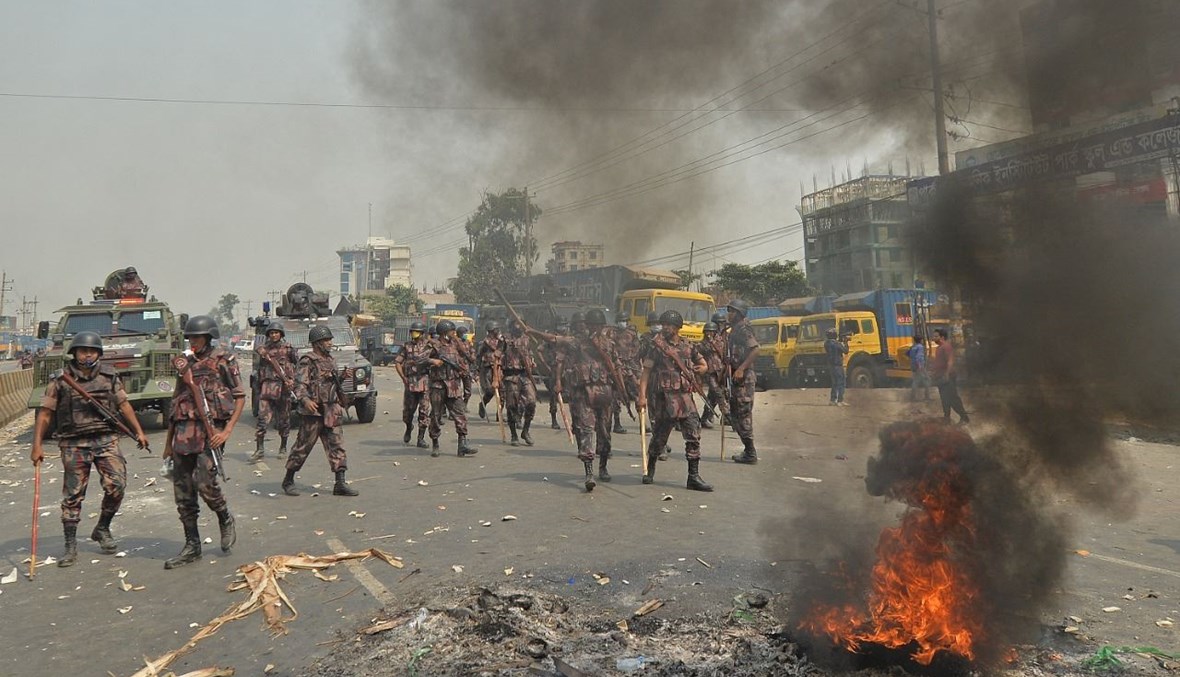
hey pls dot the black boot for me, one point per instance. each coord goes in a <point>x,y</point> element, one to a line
<point>749,455</point>
<point>259,452</point>
<point>70,556</point>
<point>409,433</point>
<point>650,475</point>
<point>289,483</point>
<point>590,484</point>
<point>515,441</point>
<point>602,472</point>
<point>694,476</point>
<point>229,534</point>
<point>421,437</point>
<point>191,551</point>
<point>483,408</point>
<point>464,449</point>
<point>553,418</point>
<point>282,446</point>
<point>524,432</point>
<point>619,429</point>
<point>434,447</point>
<point>342,488</point>
<point>102,534</point>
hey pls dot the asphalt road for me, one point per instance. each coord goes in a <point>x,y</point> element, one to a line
<point>431,512</point>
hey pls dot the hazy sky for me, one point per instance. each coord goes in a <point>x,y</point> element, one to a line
<point>206,199</point>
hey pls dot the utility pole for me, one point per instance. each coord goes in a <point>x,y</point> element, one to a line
<point>528,236</point>
<point>5,287</point>
<point>691,249</point>
<point>944,166</point>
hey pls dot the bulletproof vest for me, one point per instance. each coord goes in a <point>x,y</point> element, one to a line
<point>281,354</point>
<point>493,346</point>
<point>76,417</point>
<point>450,351</point>
<point>668,376</point>
<point>589,366</point>
<point>321,384</point>
<point>516,353</point>
<point>211,376</point>
<point>413,351</point>
<point>737,342</point>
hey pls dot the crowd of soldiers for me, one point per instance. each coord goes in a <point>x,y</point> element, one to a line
<point>597,369</point>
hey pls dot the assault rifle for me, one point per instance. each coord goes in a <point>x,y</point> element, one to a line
<point>184,369</point>
<point>106,414</point>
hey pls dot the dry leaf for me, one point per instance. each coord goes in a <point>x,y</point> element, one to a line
<point>622,625</point>
<point>604,580</point>
<point>269,667</point>
<point>1083,553</point>
<point>322,577</point>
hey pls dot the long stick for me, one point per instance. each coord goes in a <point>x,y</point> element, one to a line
<point>568,428</point>
<point>722,426</point>
<point>500,416</point>
<point>36,510</point>
<point>643,437</point>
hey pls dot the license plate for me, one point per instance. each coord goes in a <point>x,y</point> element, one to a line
<point>361,387</point>
<point>811,372</point>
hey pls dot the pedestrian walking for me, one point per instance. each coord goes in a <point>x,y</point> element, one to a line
<point>671,366</point>
<point>836,350</point>
<point>740,349</point>
<point>488,356</point>
<point>445,361</point>
<point>321,405</point>
<point>942,371</point>
<point>86,439</point>
<point>416,383</point>
<point>517,386</point>
<point>712,348</point>
<point>275,368</point>
<point>217,382</point>
<point>919,377</point>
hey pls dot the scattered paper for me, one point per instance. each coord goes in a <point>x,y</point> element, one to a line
<point>457,568</point>
<point>809,480</point>
<point>268,669</point>
<point>207,540</point>
<point>318,532</point>
<point>707,565</point>
<point>124,609</point>
<point>123,553</point>
<point>508,518</point>
<point>667,497</point>
<point>280,517</point>
<point>1083,553</point>
<point>322,577</point>
<point>1165,623</point>
<point>10,578</point>
<point>150,482</point>
<point>423,483</point>
<point>1110,609</point>
<point>509,571</point>
<point>665,510</point>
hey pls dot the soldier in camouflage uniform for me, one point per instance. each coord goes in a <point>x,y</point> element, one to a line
<point>740,349</point>
<point>671,366</point>
<point>627,347</point>
<point>468,362</point>
<point>712,348</point>
<point>317,389</point>
<point>276,372</point>
<point>549,357</point>
<point>488,356</point>
<point>520,393</point>
<point>416,397</point>
<point>217,377</point>
<point>589,373</point>
<point>444,358</point>
<point>85,439</point>
<point>653,330</point>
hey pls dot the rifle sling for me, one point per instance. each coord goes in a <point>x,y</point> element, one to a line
<point>106,414</point>
<point>662,346</point>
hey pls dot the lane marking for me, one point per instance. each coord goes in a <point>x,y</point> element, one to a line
<point>1135,565</point>
<point>363,576</point>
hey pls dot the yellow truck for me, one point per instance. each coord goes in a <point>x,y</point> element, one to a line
<point>776,349</point>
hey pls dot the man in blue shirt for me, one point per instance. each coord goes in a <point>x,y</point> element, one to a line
<point>920,378</point>
<point>836,349</point>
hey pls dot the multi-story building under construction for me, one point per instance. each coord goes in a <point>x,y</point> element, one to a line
<point>852,235</point>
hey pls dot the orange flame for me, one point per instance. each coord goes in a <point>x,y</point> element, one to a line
<point>920,592</point>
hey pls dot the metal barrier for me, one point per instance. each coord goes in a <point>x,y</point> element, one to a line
<point>15,387</point>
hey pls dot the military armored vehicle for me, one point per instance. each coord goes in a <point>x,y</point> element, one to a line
<point>301,309</point>
<point>140,338</point>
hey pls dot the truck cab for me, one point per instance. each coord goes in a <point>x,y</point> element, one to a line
<point>777,337</point>
<point>459,318</point>
<point>696,309</point>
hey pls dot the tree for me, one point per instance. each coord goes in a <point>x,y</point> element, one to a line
<point>398,301</point>
<point>500,250</point>
<point>687,278</point>
<point>223,312</point>
<point>764,284</point>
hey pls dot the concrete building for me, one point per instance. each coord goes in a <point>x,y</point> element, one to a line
<point>852,235</point>
<point>569,256</point>
<point>375,266</point>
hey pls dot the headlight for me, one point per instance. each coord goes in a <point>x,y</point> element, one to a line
<point>361,373</point>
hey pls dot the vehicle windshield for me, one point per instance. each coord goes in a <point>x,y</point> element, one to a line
<point>766,333</point>
<point>690,310</point>
<point>816,330</point>
<point>296,333</point>
<point>141,322</point>
<point>96,322</point>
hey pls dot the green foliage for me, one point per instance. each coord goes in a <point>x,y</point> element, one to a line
<point>500,252</point>
<point>687,278</point>
<point>764,284</point>
<point>398,301</point>
<point>223,312</point>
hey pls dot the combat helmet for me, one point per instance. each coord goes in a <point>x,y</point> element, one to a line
<point>86,339</point>
<point>318,333</point>
<point>671,318</point>
<point>739,306</point>
<point>443,327</point>
<point>719,318</point>
<point>202,325</point>
<point>595,317</point>
<point>418,325</point>
<point>710,327</point>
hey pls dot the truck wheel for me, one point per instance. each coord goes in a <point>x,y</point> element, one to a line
<point>860,376</point>
<point>366,409</point>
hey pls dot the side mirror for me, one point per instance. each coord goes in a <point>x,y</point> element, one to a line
<point>43,329</point>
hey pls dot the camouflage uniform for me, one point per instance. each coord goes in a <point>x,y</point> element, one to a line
<point>588,381</point>
<point>416,397</point>
<point>712,348</point>
<point>488,356</point>
<point>669,396</point>
<point>86,440</point>
<point>518,389</point>
<point>469,364</point>
<point>274,392</point>
<point>627,347</point>
<point>446,389</point>
<point>215,373</point>
<point>315,380</point>
<point>740,342</point>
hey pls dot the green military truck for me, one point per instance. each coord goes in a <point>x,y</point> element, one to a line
<point>140,337</point>
<point>301,309</point>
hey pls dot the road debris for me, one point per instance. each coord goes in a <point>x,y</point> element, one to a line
<point>809,480</point>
